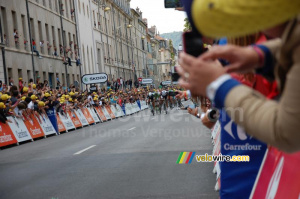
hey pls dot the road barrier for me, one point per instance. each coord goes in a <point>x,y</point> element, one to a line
<point>278,177</point>
<point>33,126</point>
<point>278,173</point>
<point>215,135</point>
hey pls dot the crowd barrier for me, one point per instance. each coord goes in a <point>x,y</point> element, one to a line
<point>35,126</point>
<point>216,141</point>
<point>278,173</point>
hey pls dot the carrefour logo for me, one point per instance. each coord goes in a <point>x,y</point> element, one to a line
<point>94,78</point>
<point>241,135</point>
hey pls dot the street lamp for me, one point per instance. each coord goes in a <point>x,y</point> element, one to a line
<point>106,9</point>
<point>127,25</point>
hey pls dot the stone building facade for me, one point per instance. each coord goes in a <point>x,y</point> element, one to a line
<point>52,27</point>
<point>77,37</point>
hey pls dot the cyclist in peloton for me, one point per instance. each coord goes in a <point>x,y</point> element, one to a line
<point>151,100</point>
<point>164,95</point>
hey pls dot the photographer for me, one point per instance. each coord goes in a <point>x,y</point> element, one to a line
<point>273,122</point>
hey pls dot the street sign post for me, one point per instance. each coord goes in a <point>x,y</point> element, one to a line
<point>95,78</point>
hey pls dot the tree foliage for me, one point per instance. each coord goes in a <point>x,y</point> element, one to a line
<point>187,25</point>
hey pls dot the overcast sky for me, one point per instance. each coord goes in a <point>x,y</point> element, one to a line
<point>166,20</point>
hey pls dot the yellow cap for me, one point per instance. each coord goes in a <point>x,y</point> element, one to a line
<point>2,105</point>
<point>23,98</point>
<point>47,95</point>
<point>25,89</point>
<point>34,86</point>
<point>71,93</point>
<point>70,100</point>
<point>67,96</point>
<point>4,97</point>
<point>232,18</point>
<point>41,104</point>
<point>95,99</point>
<point>20,78</point>
<point>33,97</point>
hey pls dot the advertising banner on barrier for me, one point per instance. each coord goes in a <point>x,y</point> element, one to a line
<point>66,120</point>
<point>75,119</point>
<point>46,125</point>
<point>33,126</point>
<point>101,114</point>
<point>135,107</point>
<point>143,105</point>
<point>60,124</point>
<point>6,135</point>
<point>123,109</point>
<point>106,113</point>
<point>93,114</point>
<point>234,142</point>
<point>87,115</point>
<point>128,109</point>
<point>19,129</point>
<point>81,117</point>
<point>279,176</point>
<point>120,110</point>
<point>112,116</point>
<point>53,119</point>
<point>114,110</point>
<point>139,104</point>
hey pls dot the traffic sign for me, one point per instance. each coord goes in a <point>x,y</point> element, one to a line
<point>140,79</point>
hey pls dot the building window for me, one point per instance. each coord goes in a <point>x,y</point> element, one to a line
<point>79,6</point>
<point>15,29</point>
<point>47,42</point>
<point>59,41</point>
<point>67,9</point>
<point>26,43</point>
<point>83,8</point>
<point>41,42</point>
<point>87,11</point>
<point>56,5</point>
<point>55,53</point>
<point>4,26</point>
<point>72,10</point>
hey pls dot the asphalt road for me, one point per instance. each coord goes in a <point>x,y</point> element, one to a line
<point>132,157</point>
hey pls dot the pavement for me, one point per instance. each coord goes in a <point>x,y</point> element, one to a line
<point>130,157</point>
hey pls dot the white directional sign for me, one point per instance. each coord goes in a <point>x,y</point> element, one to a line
<point>165,83</point>
<point>147,81</point>
<point>95,78</point>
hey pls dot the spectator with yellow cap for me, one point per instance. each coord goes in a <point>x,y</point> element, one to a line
<point>273,122</point>
<point>32,102</point>
<point>3,117</point>
<point>21,84</point>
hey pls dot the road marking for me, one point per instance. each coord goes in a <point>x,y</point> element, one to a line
<point>131,128</point>
<point>83,150</point>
